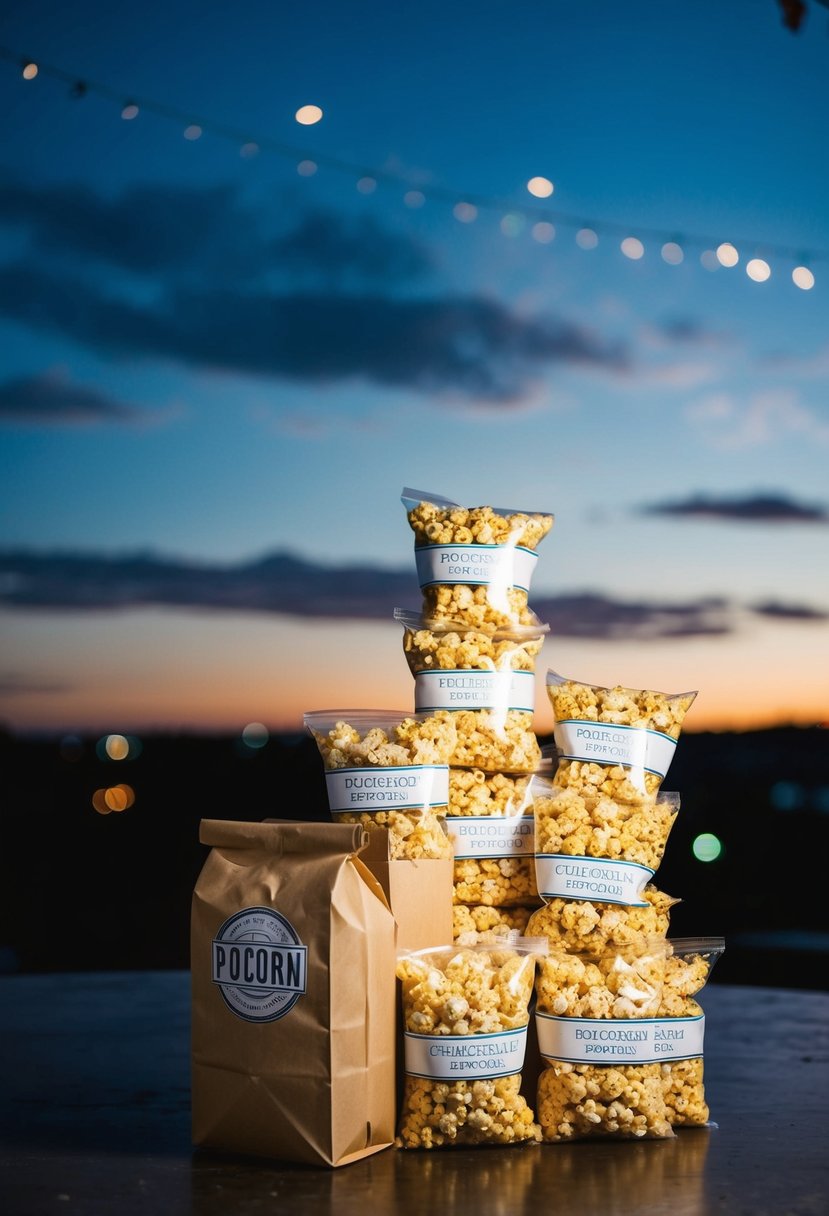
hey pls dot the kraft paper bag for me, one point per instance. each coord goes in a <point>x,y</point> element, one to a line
<point>293,995</point>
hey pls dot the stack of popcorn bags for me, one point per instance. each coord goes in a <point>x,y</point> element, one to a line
<point>555,920</point>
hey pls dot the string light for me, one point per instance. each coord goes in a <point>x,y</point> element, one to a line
<point>673,247</point>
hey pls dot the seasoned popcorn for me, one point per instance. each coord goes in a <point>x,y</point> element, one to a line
<point>382,740</point>
<point>485,924</point>
<point>582,926</point>
<point>622,765</point>
<point>486,680</point>
<point>489,877</point>
<point>617,1100</point>
<point>590,824</point>
<point>460,992</point>
<point>482,573</point>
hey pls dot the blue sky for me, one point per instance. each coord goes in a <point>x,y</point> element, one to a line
<point>207,359</point>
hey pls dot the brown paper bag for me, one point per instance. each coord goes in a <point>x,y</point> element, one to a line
<point>293,995</point>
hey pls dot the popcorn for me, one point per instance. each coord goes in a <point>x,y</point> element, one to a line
<point>617,1099</point>
<point>624,763</point>
<point>588,824</point>
<point>485,924</point>
<point>582,926</point>
<point>459,1091</point>
<point>474,564</point>
<point>487,682</point>
<point>490,821</point>
<point>386,769</point>
<point>686,971</point>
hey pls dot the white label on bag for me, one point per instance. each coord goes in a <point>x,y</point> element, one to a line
<point>594,878</point>
<point>501,690</point>
<point>603,743</point>
<point>491,835</point>
<point>467,1057</point>
<point>259,964</point>
<point>619,1040</point>
<point>502,565</point>
<point>398,788</point>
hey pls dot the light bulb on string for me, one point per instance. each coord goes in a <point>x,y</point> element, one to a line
<point>672,253</point>
<point>467,213</point>
<point>307,116</point>
<point>29,70</point>
<point>306,168</point>
<point>192,132</point>
<point>543,232</point>
<point>367,185</point>
<point>414,199</point>
<point>129,111</point>
<point>758,270</point>
<point>540,187</point>
<point>632,248</point>
<point>586,238</point>
<point>803,278</point>
<point>727,255</point>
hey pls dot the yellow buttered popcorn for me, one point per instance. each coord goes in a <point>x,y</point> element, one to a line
<point>686,972</point>
<point>465,1014</point>
<point>593,1015</point>
<point>390,770</point>
<point>474,564</point>
<point>491,825</point>
<point>582,926</point>
<point>481,923</point>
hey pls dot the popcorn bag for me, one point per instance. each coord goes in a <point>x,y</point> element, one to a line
<point>293,995</point>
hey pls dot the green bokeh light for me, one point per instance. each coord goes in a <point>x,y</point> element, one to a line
<point>707,847</point>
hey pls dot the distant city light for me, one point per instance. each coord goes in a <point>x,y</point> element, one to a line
<point>787,796</point>
<point>29,71</point>
<point>707,847</point>
<point>117,747</point>
<point>541,187</point>
<point>308,115</point>
<point>632,248</point>
<point>758,270</point>
<point>119,797</point>
<point>709,259</point>
<point>129,111</point>
<point>255,734</point>
<point>672,253</point>
<point>366,185</point>
<point>465,212</point>
<point>543,232</point>
<point>414,198</point>
<point>249,150</point>
<point>803,278</point>
<point>192,132</point>
<point>100,803</point>
<point>306,168</point>
<point>512,225</point>
<point>727,255</point>
<point>586,238</point>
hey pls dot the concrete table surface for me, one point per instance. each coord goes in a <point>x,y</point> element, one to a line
<point>95,1119</point>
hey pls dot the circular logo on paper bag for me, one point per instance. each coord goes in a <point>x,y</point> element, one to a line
<point>259,964</point>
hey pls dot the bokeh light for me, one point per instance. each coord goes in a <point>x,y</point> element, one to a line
<point>117,747</point>
<point>803,278</point>
<point>632,248</point>
<point>707,847</point>
<point>129,111</point>
<point>465,212</point>
<point>308,115</point>
<point>119,797</point>
<point>543,232</point>
<point>512,224</point>
<point>787,796</point>
<point>192,132</point>
<point>29,71</point>
<point>255,734</point>
<point>758,270</point>
<point>709,259</point>
<point>249,150</point>
<point>672,253</point>
<point>586,238</point>
<point>414,198</point>
<point>541,187</point>
<point>306,168</point>
<point>366,185</point>
<point>727,255</point>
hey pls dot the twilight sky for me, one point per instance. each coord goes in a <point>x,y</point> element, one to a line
<point>220,366</point>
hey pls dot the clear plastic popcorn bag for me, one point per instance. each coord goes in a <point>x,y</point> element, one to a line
<point>466,1013</point>
<point>474,564</point>
<point>481,923</point>
<point>617,742</point>
<point>597,1023</point>
<point>391,770</point>
<point>486,680</point>
<point>686,972</point>
<point>491,824</point>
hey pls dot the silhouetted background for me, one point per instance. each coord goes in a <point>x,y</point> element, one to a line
<point>86,890</point>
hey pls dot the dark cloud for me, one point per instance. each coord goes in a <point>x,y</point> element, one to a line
<point>463,345</point>
<point>16,684</point>
<point>338,250</point>
<point>52,399</point>
<point>283,584</point>
<point>789,612</point>
<point>689,330</point>
<point>751,508</point>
